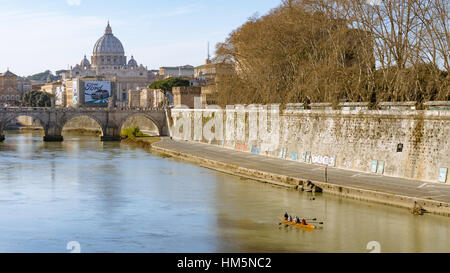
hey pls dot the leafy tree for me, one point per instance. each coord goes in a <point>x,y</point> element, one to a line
<point>167,84</point>
<point>38,99</point>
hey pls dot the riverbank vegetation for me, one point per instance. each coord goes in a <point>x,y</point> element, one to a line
<point>339,51</point>
<point>143,142</point>
<point>132,133</point>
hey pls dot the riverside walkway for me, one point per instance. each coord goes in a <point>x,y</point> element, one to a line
<point>390,190</point>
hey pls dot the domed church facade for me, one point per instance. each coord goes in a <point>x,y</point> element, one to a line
<point>108,62</point>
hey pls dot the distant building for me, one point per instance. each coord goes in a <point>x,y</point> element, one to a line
<point>70,87</point>
<point>208,95</point>
<point>208,73</point>
<point>206,76</point>
<point>145,98</point>
<point>36,85</point>
<point>57,90</point>
<point>108,60</point>
<point>189,96</point>
<point>186,71</point>
<point>153,98</point>
<point>9,92</point>
<point>23,86</point>
<point>51,87</point>
<point>134,98</point>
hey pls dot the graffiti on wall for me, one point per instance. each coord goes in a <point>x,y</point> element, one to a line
<point>377,166</point>
<point>323,160</point>
<point>293,156</point>
<point>241,146</point>
<point>443,175</point>
<point>306,157</point>
<point>254,149</point>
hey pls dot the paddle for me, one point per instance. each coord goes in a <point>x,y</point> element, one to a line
<point>286,225</point>
<point>316,222</point>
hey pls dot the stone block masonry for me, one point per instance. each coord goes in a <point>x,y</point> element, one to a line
<point>109,120</point>
<point>399,143</point>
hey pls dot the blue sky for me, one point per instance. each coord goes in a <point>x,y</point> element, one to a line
<point>52,34</point>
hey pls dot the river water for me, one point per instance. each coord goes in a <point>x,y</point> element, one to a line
<point>112,197</point>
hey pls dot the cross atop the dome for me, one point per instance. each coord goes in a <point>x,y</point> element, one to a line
<point>108,29</point>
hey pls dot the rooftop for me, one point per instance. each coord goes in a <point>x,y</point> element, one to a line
<point>177,67</point>
<point>8,74</point>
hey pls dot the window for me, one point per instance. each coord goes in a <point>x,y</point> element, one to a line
<point>400,148</point>
<point>124,96</point>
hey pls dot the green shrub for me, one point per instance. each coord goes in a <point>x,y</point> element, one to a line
<point>132,133</point>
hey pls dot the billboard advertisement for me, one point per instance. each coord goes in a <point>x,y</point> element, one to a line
<point>59,95</point>
<point>97,92</point>
<point>75,92</point>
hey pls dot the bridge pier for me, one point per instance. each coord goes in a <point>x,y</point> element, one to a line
<point>53,132</point>
<point>111,133</point>
<point>53,138</point>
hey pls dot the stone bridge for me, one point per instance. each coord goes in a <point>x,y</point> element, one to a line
<point>109,119</point>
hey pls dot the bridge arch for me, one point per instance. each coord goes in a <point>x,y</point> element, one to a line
<point>157,124</point>
<point>6,119</point>
<point>93,117</point>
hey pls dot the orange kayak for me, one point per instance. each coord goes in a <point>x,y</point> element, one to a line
<point>297,225</point>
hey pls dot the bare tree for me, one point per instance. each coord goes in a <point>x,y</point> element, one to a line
<point>340,50</point>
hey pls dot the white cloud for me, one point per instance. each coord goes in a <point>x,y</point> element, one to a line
<point>74,2</point>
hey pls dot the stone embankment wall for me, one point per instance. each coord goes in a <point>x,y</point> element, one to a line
<point>401,143</point>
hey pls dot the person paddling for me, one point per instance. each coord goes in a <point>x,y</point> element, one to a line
<point>304,222</point>
<point>286,215</point>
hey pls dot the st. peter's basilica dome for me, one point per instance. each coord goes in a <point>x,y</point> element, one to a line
<point>108,44</point>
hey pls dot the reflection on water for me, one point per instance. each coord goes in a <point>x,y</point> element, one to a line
<point>111,197</point>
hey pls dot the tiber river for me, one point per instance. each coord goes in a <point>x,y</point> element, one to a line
<point>111,197</point>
